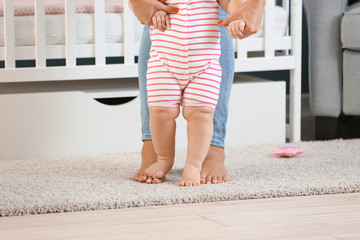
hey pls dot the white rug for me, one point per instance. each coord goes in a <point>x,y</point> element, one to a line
<point>35,186</point>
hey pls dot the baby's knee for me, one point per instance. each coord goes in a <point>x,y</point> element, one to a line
<point>165,112</point>
<point>200,113</point>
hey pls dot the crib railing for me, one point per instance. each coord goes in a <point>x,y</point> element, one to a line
<point>268,43</point>
<point>40,52</point>
<point>290,44</point>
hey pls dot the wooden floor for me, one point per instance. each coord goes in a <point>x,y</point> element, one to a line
<point>312,217</point>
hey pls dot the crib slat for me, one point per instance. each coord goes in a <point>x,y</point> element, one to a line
<point>286,5</point>
<point>40,33</point>
<point>294,130</point>
<point>70,33</point>
<point>269,26</point>
<point>9,33</point>
<point>128,34</point>
<point>99,32</point>
<point>241,50</point>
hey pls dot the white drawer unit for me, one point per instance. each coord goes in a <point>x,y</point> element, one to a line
<point>53,122</point>
<point>49,121</point>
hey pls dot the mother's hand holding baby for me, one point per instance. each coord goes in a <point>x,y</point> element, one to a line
<point>249,13</point>
<point>144,9</point>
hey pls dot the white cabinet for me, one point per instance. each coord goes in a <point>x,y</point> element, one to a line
<point>47,123</point>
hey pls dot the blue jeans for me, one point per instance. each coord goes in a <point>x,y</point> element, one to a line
<point>221,110</point>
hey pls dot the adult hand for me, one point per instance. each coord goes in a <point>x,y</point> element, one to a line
<point>250,13</point>
<point>144,9</point>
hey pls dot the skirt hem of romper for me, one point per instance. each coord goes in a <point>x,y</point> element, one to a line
<point>183,105</point>
<point>163,105</point>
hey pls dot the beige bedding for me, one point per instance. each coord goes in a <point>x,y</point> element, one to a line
<point>26,7</point>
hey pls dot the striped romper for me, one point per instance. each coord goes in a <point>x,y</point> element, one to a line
<point>184,68</point>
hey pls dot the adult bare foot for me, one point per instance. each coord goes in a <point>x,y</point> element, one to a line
<point>148,157</point>
<point>191,176</point>
<point>213,168</point>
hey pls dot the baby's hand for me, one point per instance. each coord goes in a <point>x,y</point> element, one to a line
<point>236,28</point>
<point>161,20</point>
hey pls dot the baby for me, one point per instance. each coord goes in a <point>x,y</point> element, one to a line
<point>184,70</point>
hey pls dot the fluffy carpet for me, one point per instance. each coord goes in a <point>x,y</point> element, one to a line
<point>35,186</point>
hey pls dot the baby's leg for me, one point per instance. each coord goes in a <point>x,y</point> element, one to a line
<point>162,128</point>
<point>200,131</point>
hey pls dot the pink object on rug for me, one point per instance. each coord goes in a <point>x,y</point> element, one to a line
<point>26,7</point>
<point>288,151</point>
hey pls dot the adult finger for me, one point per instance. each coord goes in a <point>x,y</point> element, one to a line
<point>245,35</point>
<point>248,33</point>
<point>166,8</point>
<point>251,29</point>
<point>226,21</point>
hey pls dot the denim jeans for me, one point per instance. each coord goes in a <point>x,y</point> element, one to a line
<point>221,110</point>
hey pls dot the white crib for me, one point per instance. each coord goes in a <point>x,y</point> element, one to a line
<point>277,52</point>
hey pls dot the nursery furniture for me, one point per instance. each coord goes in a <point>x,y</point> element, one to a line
<point>60,123</point>
<point>108,42</point>
<point>334,70</point>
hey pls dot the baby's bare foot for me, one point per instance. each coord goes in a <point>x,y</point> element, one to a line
<point>191,176</point>
<point>157,171</point>
<point>148,157</point>
<point>213,168</point>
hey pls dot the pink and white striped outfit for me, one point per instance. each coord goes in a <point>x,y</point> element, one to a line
<point>184,68</point>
